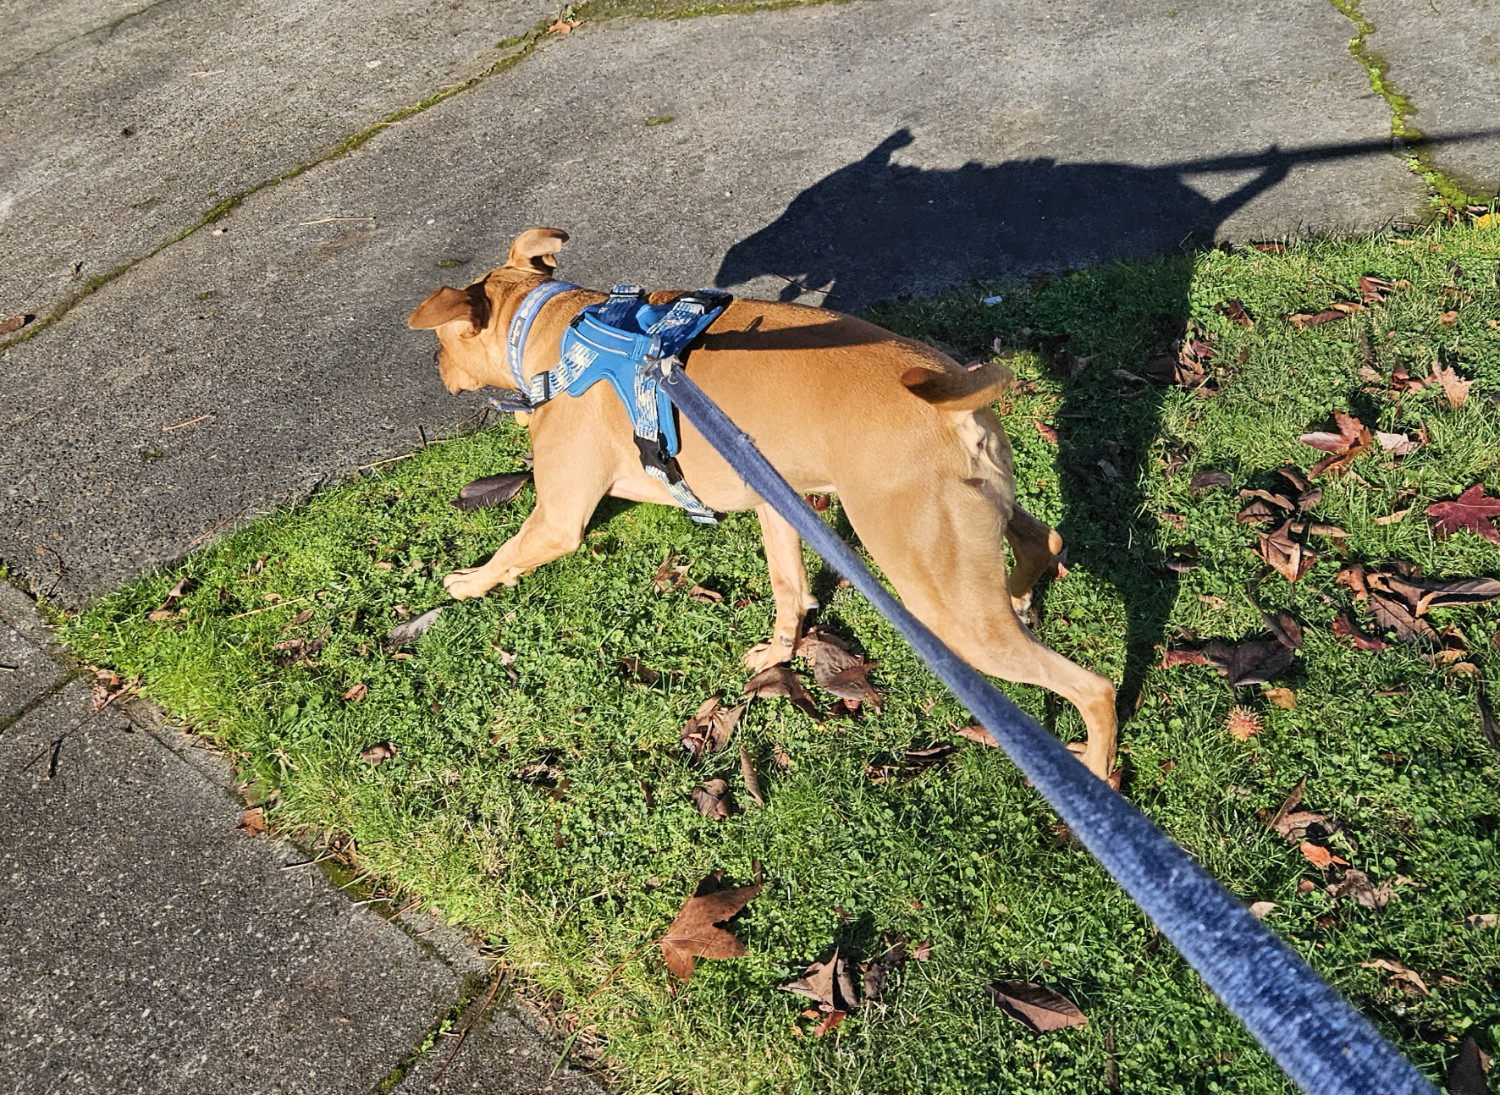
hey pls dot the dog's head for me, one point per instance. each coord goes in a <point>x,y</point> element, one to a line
<point>471,322</point>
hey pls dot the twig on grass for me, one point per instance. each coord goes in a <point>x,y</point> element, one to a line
<point>271,608</point>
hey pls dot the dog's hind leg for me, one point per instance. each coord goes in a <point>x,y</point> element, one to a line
<point>1035,544</point>
<point>794,599</point>
<point>942,551</point>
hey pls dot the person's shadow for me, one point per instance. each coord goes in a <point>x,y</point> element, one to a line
<point>877,229</point>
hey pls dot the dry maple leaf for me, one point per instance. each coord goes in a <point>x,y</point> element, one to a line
<point>1041,1009</point>
<point>1470,512</point>
<point>1288,557</point>
<point>1409,980</point>
<point>1357,884</point>
<point>781,681</point>
<point>710,728</point>
<point>1455,388</point>
<point>1353,440</point>
<point>695,932</point>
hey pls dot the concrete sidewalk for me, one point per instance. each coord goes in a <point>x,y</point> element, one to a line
<point>860,150</point>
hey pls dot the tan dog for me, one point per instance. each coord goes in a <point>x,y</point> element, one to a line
<point>902,434</point>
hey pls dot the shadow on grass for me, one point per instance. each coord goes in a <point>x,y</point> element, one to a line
<point>877,229</point>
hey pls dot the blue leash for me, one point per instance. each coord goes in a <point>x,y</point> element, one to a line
<point>1321,1042</point>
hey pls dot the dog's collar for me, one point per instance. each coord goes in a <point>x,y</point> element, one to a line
<point>520,324</point>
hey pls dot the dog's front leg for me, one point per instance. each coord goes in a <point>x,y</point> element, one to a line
<point>794,599</point>
<point>564,504</point>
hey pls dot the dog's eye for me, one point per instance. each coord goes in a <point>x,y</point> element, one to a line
<point>437,356</point>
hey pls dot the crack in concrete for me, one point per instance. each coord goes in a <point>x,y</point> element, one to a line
<point>103,28</point>
<point>523,46</point>
<point>468,992</point>
<point>1406,138</point>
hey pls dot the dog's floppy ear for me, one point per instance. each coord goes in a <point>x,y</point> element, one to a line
<point>977,386</point>
<point>447,305</point>
<point>534,248</point>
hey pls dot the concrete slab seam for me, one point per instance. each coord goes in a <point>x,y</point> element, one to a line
<point>1445,188</point>
<point>467,994</point>
<point>103,28</point>
<point>527,43</point>
<point>39,699</point>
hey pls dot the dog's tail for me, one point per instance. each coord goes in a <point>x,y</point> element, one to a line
<point>979,385</point>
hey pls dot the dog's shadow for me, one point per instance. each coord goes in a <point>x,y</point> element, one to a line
<point>876,230</point>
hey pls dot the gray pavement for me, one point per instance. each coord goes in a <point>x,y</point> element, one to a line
<point>1445,57</point>
<point>860,150</point>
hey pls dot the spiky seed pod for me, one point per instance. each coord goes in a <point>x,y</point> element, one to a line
<point>1243,723</point>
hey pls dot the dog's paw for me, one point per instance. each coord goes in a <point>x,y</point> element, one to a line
<point>765,655</point>
<point>1103,767</point>
<point>462,585</point>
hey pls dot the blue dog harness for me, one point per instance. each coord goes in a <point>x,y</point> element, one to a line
<point>621,340</point>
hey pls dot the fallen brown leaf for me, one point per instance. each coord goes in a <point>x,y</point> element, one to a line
<point>1482,921</point>
<point>781,681</point>
<point>1455,388</point>
<point>851,684</point>
<point>1283,698</point>
<point>1259,909</point>
<point>710,728</point>
<point>695,932</point>
<point>1288,557</point>
<point>378,753</point>
<point>1346,628</point>
<point>253,821</point>
<point>1373,290</point>
<point>1041,1009</point>
<point>1407,978</point>
<point>713,800</point>
<point>1357,884</point>
<point>1448,319</point>
<point>491,491</point>
<point>1320,857</point>
<point>1203,480</point>
<point>707,596</point>
<point>1466,1076</point>
<point>977,734</point>
<point>639,670</point>
<point>752,781</point>
<point>356,693</point>
<point>1250,661</point>
<point>1234,311</point>
<point>1048,433</point>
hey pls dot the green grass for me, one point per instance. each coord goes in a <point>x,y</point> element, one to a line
<point>573,889</point>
